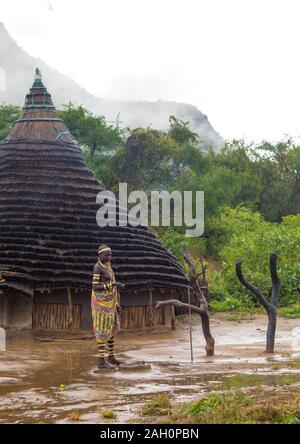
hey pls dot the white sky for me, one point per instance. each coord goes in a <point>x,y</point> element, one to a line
<point>238,61</point>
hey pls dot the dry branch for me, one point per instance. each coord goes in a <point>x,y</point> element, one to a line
<point>202,309</point>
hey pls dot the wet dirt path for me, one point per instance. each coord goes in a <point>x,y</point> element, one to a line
<point>54,382</point>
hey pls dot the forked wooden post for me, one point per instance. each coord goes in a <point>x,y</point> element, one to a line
<point>269,306</point>
<point>202,309</point>
<point>70,309</point>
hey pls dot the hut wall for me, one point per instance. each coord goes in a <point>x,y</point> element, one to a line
<point>51,310</point>
<point>16,311</point>
<point>139,318</point>
<point>56,316</point>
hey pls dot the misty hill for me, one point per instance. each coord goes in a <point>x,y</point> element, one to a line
<point>17,68</point>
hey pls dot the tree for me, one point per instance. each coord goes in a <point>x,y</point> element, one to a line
<point>245,234</point>
<point>181,132</point>
<point>8,115</point>
<point>277,167</point>
<point>145,161</point>
<point>269,305</point>
<point>201,309</point>
<point>91,130</point>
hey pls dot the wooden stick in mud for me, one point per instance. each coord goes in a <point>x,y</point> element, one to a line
<point>70,309</point>
<point>269,306</point>
<point>190,322</point>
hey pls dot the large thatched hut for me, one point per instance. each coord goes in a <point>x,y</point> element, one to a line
<point>49,235</point>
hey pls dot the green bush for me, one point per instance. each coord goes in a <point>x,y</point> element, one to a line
<point>253,239</point>
<point>290,312</point>
<point>174,241</point>
<point>229,303</point>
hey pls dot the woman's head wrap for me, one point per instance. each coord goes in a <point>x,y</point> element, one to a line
<point>103,248</point>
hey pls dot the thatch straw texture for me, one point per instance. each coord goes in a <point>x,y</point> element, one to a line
<point>48,229</point>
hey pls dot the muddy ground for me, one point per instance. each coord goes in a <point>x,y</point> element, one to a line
<point>54,382</point>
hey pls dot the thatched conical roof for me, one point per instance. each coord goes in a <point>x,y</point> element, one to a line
<point>48,230</point>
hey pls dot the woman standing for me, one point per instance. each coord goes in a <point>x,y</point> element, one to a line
<point>106,309</point>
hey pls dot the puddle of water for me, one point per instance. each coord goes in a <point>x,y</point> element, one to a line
<point>49,382</point>
<point>244,380</point>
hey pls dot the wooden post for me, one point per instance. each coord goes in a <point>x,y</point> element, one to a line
<point>150,309</point>
<point>5,311</point>
<point>190,322</point>
<point>173,318</point>
<point>70,309</point>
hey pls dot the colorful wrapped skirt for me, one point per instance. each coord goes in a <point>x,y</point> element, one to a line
<point>106,319</point>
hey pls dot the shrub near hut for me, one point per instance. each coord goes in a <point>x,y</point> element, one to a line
<point>253,239</point>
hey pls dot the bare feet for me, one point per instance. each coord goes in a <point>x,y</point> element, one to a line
<point>102,363</point>
<point>112,360</point>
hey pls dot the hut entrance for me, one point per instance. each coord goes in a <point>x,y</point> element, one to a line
<point>55,316</point>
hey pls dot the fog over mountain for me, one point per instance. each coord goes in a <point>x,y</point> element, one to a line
<point>16,75</point>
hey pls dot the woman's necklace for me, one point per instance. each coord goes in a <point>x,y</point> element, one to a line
<point>108,268</point>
